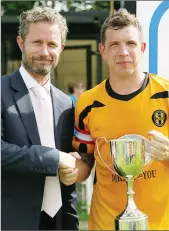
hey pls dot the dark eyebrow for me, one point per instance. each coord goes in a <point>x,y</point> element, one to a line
<point>53,42</point>
<point>113,42</point>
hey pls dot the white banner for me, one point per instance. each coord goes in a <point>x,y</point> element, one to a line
<point>154,18</point>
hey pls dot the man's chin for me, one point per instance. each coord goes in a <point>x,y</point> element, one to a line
<point>42,71</point>
<point>126,72</point>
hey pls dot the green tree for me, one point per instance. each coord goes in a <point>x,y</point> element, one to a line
<point>78,5</point>
<point>15,7</point>
<point>101,5</point>
<point>98,5</point>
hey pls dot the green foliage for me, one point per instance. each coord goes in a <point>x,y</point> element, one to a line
<point>101,5</point>
<point>16,7</point>
<point>77,5</point>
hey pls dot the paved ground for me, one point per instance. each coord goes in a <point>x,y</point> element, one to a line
<point>83,225</point>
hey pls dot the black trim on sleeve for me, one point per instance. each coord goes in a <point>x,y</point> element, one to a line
<point>160,95</point>
<point>85,112</point>
<point>82,148</point>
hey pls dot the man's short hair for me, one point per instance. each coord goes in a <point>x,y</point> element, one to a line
<point>118,20</point>
<point>42,14</point>
<point>73,85</point>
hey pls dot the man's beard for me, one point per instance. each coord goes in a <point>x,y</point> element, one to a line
<point>41,69</point>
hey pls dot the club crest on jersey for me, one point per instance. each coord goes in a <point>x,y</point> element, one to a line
<point>159,118</point>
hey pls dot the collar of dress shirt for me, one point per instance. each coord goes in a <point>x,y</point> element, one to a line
<point>29,81</point>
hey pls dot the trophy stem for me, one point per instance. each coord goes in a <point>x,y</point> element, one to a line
<point>131,218</point>
<point>130,193</point>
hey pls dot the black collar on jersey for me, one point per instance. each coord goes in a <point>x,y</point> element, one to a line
<point>115,95</point>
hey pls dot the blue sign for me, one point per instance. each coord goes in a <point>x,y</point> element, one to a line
<point>153,36</point>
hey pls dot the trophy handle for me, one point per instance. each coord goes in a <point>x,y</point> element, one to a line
<point>147,163</point>
<point>100,154</point>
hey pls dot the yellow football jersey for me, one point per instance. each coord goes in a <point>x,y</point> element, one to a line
<point>100,112</point>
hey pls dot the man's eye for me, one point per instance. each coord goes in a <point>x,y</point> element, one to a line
<point>36,42</point>
<point>132,43</point>
<point>113,44</point>
<point>52,45</point>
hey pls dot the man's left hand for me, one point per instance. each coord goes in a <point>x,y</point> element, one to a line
<point>68,176</point>
<point>159,146</point>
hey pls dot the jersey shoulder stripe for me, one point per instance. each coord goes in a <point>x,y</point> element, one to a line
<point>160,95</point>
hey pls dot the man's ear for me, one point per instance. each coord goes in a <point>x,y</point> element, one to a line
<point>143,47</point>
<point>20,42</point>
<point>101,49</point>
<point>63,46</point>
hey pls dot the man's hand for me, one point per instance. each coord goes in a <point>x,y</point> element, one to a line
<point>68,160</point>
<point>159,146</point>
<point>68,176</point>
<point>67,171</point>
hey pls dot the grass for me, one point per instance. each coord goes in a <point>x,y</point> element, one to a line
<point>83,216</point>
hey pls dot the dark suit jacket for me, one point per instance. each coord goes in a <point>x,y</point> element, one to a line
<point>25,163</point>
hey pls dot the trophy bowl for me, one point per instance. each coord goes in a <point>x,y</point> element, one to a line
<point>129,156</point>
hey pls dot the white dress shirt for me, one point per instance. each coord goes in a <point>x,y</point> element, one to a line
<point>42,105</point>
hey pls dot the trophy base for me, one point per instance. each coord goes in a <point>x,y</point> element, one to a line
<point>131,223</point>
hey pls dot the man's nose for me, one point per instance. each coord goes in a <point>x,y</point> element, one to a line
<point>123,50</point>
<point>44,50</point>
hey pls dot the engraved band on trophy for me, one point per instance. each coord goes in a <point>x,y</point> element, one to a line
<point>129,155</point>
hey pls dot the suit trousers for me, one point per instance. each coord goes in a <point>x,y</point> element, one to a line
<point>49,223</point>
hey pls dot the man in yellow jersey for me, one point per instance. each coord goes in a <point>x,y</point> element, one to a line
<point>128,102</point>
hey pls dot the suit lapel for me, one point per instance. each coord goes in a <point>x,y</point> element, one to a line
<point>25,107</point>
<point>57,110</point>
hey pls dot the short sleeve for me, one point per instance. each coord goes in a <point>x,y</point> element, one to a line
<point>82,141</point>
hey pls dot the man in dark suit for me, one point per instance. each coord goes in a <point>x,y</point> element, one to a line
<point>37,131</point>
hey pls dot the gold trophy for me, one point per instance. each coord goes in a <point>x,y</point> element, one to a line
<point>129,155</point>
